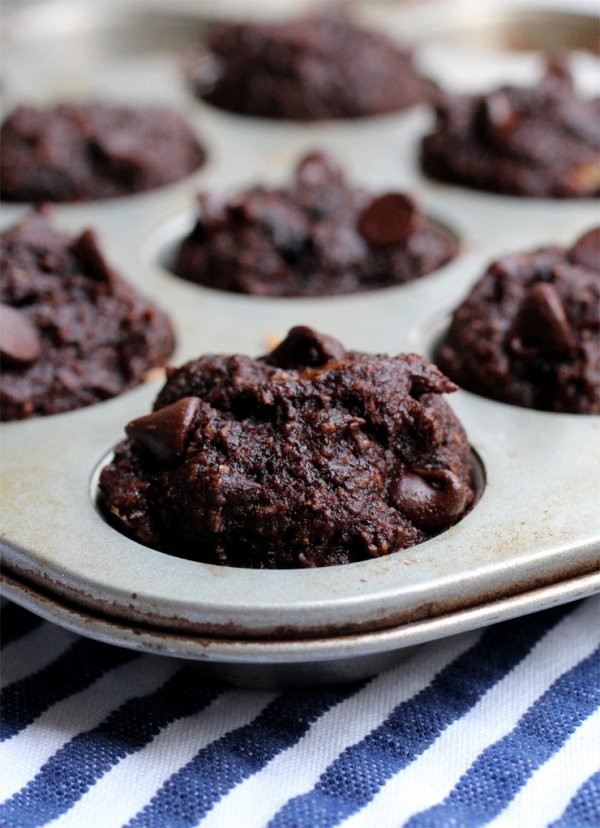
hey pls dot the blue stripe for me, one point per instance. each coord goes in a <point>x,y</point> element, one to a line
<point>88,756</point>
<point>15,622</point>
<point>191,792</point>
<point>503,768</point>
<point>583,811</point>
<point>79,666</point>
<point>360,771</point>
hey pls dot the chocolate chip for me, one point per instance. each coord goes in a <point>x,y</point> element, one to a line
<point>498,117</point>
<point>304,347</point>
<point>541,323</point>
<point>432,499</point>
<point>164,432</point>
<point>86,249</point>
<point>586,250</point>
<point>389,219</point>
<point>317,169</point>
<point>20,342</point>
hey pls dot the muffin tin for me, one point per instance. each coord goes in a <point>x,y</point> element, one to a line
<point>532,540</point>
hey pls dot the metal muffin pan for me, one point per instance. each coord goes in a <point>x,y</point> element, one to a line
<point>532,540</point>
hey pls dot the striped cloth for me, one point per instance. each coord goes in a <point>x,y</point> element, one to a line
<point>496,727</point>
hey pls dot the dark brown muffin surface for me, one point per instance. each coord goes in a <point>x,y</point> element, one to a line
<point>310,456</point>
<point>72,333</point>
<point>318,236</point>
<point>79,152</point>
<point>314,68</point>
<point>529,331</point>
<point>541,141</point>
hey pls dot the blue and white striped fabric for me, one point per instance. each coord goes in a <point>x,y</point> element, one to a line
<point>498,727</point>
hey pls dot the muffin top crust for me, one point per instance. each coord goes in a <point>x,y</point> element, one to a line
<point>72,332</point>
<point>529,331</point>
<point>318,67</point>
<point>309,456</point>
<point>318,236</point>
<point>81,152</point>
<point>541,141</point>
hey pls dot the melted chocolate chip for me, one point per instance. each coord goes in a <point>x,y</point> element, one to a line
<point>433,499</point>
<point>164,432</point>
<point>86,249</point>
<point>20,342</point>
<point>389,219</point>
<point>586,250</point>
<point>303,346</point>
<point>541,323</point>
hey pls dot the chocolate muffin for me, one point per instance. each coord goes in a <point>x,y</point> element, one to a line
<point>78,152</point>
<point>317,67</point>
<point>310,456</point>
<point>72,332</point>
<point>317,237</point>
<point>529,332</point>
<point>542,141</point>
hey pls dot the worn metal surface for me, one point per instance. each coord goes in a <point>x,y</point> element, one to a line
<point>267,663</point>
<point>535,531</point>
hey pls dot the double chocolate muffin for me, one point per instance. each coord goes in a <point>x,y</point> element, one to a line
<point>310,456</point>
<point>317,67</point>
<point>78,152</point>
<point>541,141</point>
<point>529,332</point>
<point>72,332</point>
<point>318,236</point>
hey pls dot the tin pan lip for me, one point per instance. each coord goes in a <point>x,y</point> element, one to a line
<point>167,25</point>
<point>150,638</point>
<point>516,28</point>
<point>513,27</point>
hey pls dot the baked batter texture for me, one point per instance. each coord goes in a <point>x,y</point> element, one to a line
<point>309,456</point>
<point>72,332</point>
<point>529,331</point>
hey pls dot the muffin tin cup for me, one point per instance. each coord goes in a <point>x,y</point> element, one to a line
<point>532,540</point>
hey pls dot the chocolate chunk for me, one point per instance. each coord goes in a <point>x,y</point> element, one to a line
<point>164,431</point>
<point>86,249</point>
<point>304,347</point>
<point>586,250</point>
<point>541,322</point>
<point>429,498</point>
<point>389,219</point>
<point>20,342</point>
